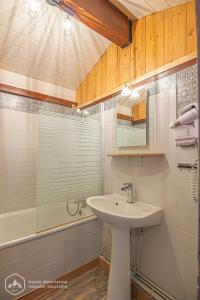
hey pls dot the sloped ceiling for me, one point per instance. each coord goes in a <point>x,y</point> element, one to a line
<point>141,8</point>
<point>38,47</point>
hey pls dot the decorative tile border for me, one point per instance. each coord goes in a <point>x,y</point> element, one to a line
<point>187,87</point>
<point>29,105</point>
<point>112,102</point>
<point>24,104</point>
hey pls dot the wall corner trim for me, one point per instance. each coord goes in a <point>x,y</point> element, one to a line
<point>38,96</point>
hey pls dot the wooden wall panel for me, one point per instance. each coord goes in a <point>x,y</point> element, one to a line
<point>104,76</point>
<point>191,28</point>
<point>123,64</point>
<point>132,70</point>
<point>92,83</point>
<point>101,80</point>
<point>150,43</point>
<point>175,32</point>
<point>99,87</point>
<point>112,62</point>
<point>159,35</point>
<point>169,35</point>
<point>180,31</point>
<point>158,39</point>
<point>140,47</point>
<point>84,91</point>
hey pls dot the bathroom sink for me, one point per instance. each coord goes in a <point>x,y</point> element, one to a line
<point>115,210</point>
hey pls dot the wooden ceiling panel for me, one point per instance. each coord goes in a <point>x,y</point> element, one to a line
<point>141,8</point>
<point>158,5</point>
<point>176,2</point>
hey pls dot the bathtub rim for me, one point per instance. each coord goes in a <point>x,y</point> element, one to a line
<point>47,232</point>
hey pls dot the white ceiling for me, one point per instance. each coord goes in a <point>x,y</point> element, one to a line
<point>39,49</point>
<point>141,8</point>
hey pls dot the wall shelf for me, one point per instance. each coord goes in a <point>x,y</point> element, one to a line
<point>136,154</point>
<point>130,118</point>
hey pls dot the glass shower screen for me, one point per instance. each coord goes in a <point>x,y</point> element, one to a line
<point>68,165</point>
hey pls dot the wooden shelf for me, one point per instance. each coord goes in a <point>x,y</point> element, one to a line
<point>125,117</point>
<point>136,154</point>
<point>129,118</point>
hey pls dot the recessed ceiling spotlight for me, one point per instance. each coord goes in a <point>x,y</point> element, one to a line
<point>32,8</point>
<point>68,25</point>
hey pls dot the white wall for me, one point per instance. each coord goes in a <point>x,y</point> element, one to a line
<point>18,159</point>
<point>169,251</point>
<point>24,82</point>
<point>49,257</point>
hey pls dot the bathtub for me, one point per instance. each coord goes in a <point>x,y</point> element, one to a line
<point>22,225</point>
<point>56,215</point>
<point>17,224</point>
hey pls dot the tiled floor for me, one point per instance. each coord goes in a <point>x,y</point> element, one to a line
<point>89,286</point>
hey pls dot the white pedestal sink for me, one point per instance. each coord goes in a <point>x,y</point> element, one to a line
<point>122,216</point>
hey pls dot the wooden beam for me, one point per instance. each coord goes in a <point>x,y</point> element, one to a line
<point>103,17</point>
<point>35,95</point>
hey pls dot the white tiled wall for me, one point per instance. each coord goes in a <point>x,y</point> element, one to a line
<point>169,251</point>
<point>49,257</point>
<point>42,258</point>
<point>18,144</point>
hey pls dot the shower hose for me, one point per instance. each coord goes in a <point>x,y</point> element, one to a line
<point>72,214</point>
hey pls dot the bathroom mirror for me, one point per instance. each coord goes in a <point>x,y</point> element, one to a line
<point>131,119</point>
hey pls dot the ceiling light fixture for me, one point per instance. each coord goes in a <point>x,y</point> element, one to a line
<point>32,8</point>
<point>125,91</point>
<point>86,113</point>
<point>135,95</point>
<point>68,26</point>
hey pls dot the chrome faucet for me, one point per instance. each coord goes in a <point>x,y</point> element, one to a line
<point>129,187</point>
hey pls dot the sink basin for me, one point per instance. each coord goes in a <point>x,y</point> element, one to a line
<point>122,216</point>
<point>115,210</point>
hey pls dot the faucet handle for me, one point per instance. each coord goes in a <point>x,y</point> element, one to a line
<point>128,184</point>
<point>129,187</point>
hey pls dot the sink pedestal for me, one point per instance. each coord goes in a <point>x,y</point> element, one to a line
<point>115,210</point>
<point>119,284</point>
